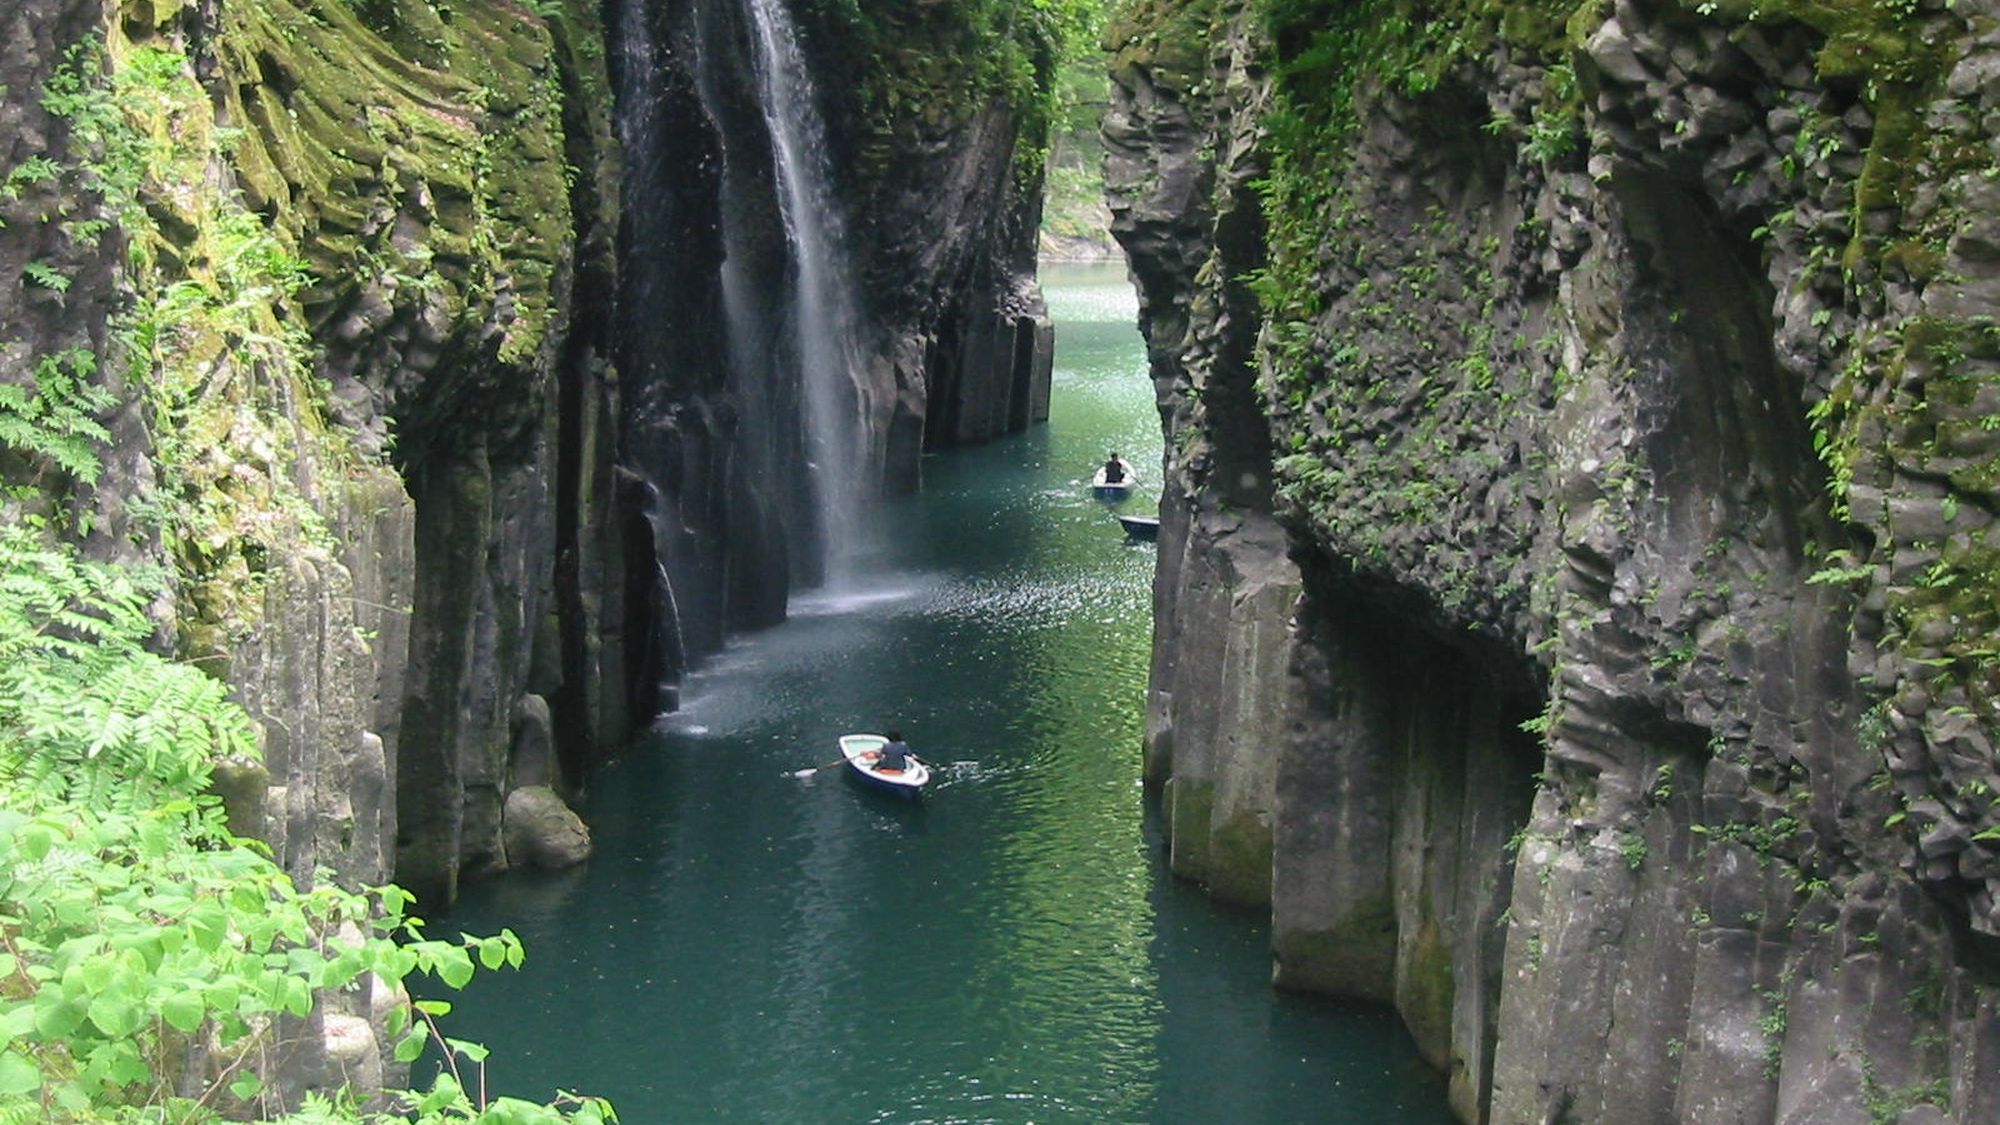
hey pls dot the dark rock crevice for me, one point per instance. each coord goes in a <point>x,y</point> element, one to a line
<point>1403,793</point>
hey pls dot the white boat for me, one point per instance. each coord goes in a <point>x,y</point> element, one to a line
<point>1113,490</point>
<point>862,751</point>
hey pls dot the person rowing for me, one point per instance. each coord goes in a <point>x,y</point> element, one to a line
<point>895,756</point>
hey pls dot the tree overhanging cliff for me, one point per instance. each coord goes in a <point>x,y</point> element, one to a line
<point>1617,377</point>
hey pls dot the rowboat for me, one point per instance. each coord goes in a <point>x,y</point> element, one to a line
<point>1140,527</point>
<point>863,750</point>
<point>1113,490</point>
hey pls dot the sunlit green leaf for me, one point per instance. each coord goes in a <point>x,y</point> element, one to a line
<point>18,1074</point>
<point>184,1011</point>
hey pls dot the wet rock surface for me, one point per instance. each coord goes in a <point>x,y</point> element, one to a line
<point>542,831</point>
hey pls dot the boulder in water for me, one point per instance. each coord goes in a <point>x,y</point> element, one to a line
<point>542,831</point>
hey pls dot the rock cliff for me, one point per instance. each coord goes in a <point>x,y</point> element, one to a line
<point>452,545</point>
<point>923,286</point>
<point>325,257</point>
<point>406,319</point>
<point>1587,408</point>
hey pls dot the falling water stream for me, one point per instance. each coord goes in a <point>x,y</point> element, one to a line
<point>751,947</point>
<point>822,315</point>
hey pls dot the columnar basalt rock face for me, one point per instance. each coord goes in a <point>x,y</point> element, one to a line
<point>443,177</point>
<point>1225,589</point>
<point>436,179</point>
<point>1626,379</point>
<point>944,205</point>
<point>38,321</point>
<point>41,321</point>
<point>947,258</point>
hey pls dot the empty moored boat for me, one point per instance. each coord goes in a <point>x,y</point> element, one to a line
<point>1140,527</point>
<point>862,751</point>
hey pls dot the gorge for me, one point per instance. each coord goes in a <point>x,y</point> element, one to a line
<point>1573,617</point>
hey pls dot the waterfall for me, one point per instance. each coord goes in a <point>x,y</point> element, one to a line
<point>737,336</point>
<point>823,324</point>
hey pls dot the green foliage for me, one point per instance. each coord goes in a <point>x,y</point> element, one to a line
<point>213,342</point>
<point>134,929</point>
<point>1772,1024</point>
<point>56,424</point>
<point>1555,133</point>
<point>952,59</point>
<point>86,713</point>
<point>45,276</point>
<point>112,157</point>
<point>1840,575</point>
<point>34,170</point>
<point>1632,846</point>
<point>1074,183</point>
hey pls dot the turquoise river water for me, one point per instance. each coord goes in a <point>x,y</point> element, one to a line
<point>752,947</point>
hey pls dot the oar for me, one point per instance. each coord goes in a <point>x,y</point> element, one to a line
<point>816,769</point>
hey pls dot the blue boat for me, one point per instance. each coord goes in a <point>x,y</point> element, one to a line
<point>862,751</point>
<point>1145,528</point>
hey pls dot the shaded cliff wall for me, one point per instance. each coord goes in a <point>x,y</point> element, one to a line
<point>940,113</point>
<point>1617,376</point>
<point>38,322</point>
<point>953,342</point>
<point>323,257</point>
<point>442,177</point>
<point>358,417</point>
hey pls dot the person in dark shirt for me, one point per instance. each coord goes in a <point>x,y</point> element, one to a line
<point>895,754</point>
<point>1114,469</point>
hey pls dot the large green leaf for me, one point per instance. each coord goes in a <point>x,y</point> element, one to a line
<point>117,1014</point>
<point>18,1074</point>
<point>56,1016</point>
<point>183,1011</point>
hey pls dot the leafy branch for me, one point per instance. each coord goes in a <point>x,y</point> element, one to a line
<point>55,422</point>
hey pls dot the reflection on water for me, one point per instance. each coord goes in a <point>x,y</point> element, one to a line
<point>753,947</point>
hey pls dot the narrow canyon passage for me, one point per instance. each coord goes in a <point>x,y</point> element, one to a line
<point>752,947</point>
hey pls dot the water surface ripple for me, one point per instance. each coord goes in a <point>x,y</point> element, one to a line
<point>749,947</point>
